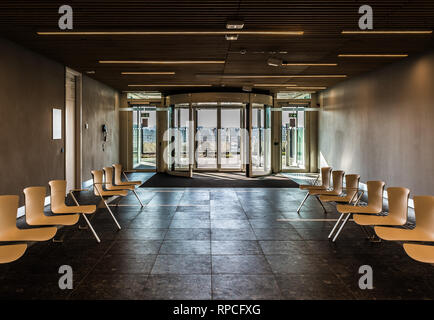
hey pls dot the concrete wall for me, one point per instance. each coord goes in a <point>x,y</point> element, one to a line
<point>100,106</point>
<point>30,86</point>
<point>381,125</point>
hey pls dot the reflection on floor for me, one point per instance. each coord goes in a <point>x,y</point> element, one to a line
<point>216,244</point>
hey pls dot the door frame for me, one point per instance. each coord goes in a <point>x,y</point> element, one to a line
<point>77,127</point>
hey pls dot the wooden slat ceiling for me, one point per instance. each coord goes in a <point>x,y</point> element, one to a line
<point>321,21</point>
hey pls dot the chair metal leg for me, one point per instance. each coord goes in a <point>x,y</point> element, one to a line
<point>91,228</point>
<point>336,225</point>
<point>342,226</point>
<point>302,203</point>
<point>111,213</point>
<point>322,205</point>
<point>135,193</point>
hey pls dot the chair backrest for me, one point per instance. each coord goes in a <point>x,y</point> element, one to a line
<point>8,212</point>
<point>398,203</point>
<point>325,176</point>
<point>424,211</point>
<point>35,203</point>
<point>108,174</point>
<point>375,195</point>
<point>352,185</point>
<point>338,181</point>
<point>118,173</point>
<point>97,176</point>
<point>57,194</point>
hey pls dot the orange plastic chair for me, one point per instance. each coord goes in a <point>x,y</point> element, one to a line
<point>398,210</point>
<point>325,179</point>
<point>8,224</point>
<point>35,216</point>
<point>335,191</point>
<point>375,206</point>
<point>118,179</point>
<point>99,191</point>
<point>110,187</point>
<point>58,205</point>
<point>351,189</point>
<point>12,252</point>
<point>424,230</point>
<point>420,252</point>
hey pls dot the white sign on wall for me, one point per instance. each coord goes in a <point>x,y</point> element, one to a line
<point>57,124</point>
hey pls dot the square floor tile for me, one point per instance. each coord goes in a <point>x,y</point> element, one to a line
<point>240,264</point>
<point>245,287</point>
<point>182,264</point>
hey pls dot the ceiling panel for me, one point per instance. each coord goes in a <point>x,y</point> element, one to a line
<point>321,21</point>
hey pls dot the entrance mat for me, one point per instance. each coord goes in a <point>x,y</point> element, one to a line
<point>218,180</point>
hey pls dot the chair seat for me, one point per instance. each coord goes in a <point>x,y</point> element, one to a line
<point>126,183</point>
<point>327,198</point>
<point>123,187</point>
<point>61,220</point>
<point>324,192</point>
<point>36,234</point>
<point>75,209</point>
<point>12,252</point>
<point>122,193</point>
<point>374,220</point>
<point>418,252</point>
<point>311,187</point>
<point>399,234</point>
<point>347,208</point>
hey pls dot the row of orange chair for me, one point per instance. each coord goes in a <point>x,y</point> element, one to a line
<point>386,225</point>
<point>44,227</point>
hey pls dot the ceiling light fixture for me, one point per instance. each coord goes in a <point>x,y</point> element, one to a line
<point>169,33</point>
<point>274,62</point>
<point>235,25</point>
<point>274,85</point>
<point>369,55</point>
<point>162,62</point>
<point>170,85</point>
<point>388,32</point>
<point>296,64</point>
<point>231,37</point>
<point>149,73</point>
<point>308,88</point>
<point>271,76</point>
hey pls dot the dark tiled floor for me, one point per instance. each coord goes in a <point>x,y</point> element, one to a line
<point>216,244</point>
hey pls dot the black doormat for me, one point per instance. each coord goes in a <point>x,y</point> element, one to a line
<point>218,180</point>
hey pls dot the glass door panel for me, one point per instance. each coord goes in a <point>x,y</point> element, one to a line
<point>206,138</point>
<point>260,147</point>
<point>230,139</point>
<point>293,138</point>
<point>182,138</point>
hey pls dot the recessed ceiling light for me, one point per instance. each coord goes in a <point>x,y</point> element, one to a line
<point>162,62</point>
<point>373,55</point>
<point>90,72</point>
<point>170,85</point>
<point>388,32</point>
<point>235,24</point>
<point>231,37</point>
<point>149,73</point>
<point>274,62</point>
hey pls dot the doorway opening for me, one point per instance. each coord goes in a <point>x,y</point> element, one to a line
<point>145,138</point>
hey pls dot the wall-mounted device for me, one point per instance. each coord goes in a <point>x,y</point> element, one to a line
<point>104,132</point>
